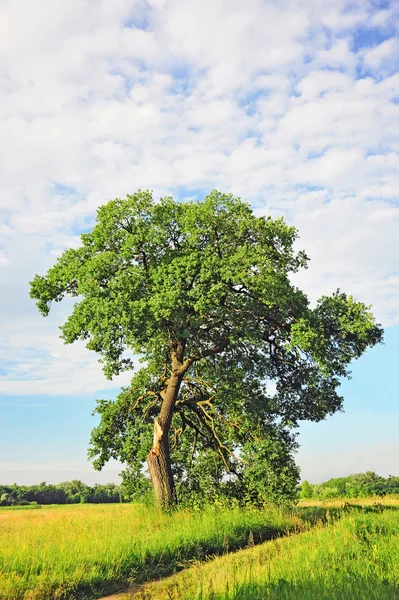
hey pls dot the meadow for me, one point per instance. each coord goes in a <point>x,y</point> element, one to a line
<point>349,554</point>
<point>336,550</point>
<point>84,551</point>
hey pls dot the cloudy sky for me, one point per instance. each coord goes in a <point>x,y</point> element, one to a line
<point>293,105</point>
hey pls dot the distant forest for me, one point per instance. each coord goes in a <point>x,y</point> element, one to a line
<point>69,492</point>
<point>359,485</point>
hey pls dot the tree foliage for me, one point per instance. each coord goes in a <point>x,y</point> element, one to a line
<point>234,355</point>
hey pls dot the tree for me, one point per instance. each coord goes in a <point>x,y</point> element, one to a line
<point>306,490</point>
<point>5,499</point>
<point>201,291</point>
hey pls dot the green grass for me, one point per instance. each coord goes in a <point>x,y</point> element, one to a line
<point>21,507</point>
<point>342,552</point>
<point>84,551</point>
<point>355,557</point>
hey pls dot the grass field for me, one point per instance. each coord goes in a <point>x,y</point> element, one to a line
<point>355,557</point>
<point>85,551</point>
<point>320,550</point>
<point>373,501</point>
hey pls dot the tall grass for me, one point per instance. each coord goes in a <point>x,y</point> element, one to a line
<point>354,558</point>
<point>388,500</point>
<point>84,551</point>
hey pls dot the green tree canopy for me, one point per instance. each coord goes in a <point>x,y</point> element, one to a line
<point>234,355</point>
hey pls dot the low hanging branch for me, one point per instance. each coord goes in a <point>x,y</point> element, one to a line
<point>196,402</point>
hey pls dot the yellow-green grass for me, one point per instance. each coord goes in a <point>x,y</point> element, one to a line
<point>389,500</point>
<point>354,558</point>
<point>85,551</point>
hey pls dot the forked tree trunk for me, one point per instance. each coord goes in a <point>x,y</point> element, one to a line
<point>158,458</point>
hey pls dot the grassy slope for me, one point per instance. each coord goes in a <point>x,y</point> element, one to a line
<point>354,558</point>
<point>82,551</point>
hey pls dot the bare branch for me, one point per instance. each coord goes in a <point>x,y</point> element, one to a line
<point>207,421</point>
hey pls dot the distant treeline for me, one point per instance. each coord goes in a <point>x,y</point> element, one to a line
<point>359,485</point>
<point>69,492</point>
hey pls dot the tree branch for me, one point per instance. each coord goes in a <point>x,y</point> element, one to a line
<point>217,349</point>
<point>203,416</point>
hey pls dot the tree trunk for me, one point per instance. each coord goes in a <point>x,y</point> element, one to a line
<point>160,468</point>
<point>158,458</point>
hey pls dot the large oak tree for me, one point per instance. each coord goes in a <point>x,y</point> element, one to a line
<point>234,355</point>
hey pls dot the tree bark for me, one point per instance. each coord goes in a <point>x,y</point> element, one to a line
<point>158,458</point>
<point>160,468</point>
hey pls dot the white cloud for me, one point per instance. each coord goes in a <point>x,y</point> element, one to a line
<point>40,363</point>
<point>346,255</point>
<point>378,56</point>
<point>259,98</point>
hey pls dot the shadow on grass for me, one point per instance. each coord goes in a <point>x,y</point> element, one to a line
<point>325,514</point>
<point>157,565</point>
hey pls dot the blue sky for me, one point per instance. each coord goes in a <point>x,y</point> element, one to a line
<point>365,436</point>
<point>291,105</point>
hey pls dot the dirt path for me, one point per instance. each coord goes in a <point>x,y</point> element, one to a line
<point>124,594</point>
